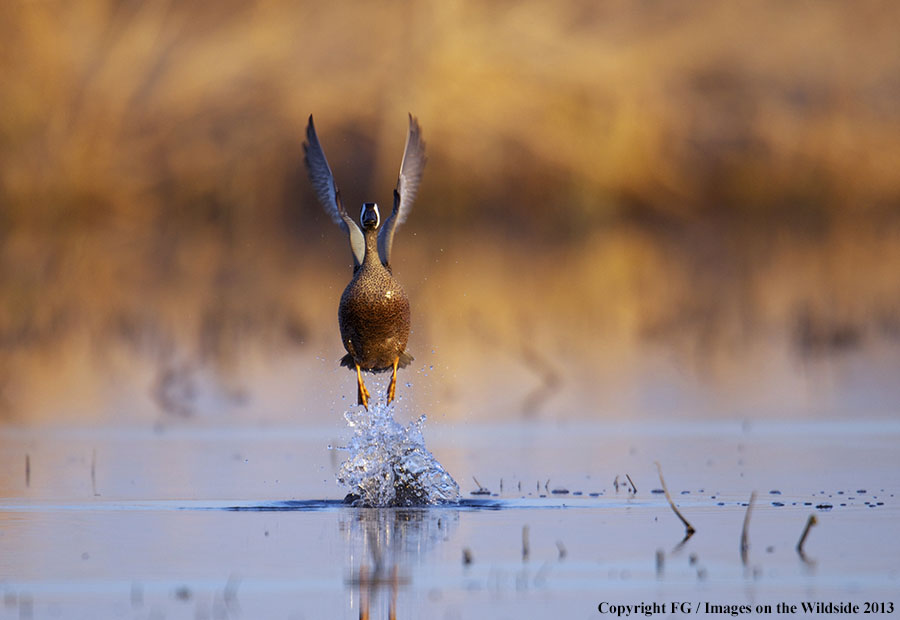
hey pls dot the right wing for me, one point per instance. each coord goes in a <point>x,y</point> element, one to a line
<point>323,184</point>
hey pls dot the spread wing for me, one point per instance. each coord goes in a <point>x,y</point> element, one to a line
<point>405,193</point>
<point>327,192</point>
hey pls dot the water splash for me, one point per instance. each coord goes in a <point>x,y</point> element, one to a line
<point>389,464</point>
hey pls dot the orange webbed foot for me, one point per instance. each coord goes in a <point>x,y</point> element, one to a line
<point>392,388</point>
<point>362,394</point>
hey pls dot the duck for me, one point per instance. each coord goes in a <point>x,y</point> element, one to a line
<point>374,312</point>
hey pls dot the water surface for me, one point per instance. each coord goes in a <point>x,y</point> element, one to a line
<point>248,522</point>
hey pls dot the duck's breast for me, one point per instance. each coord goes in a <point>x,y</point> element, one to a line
<point>374,318</point>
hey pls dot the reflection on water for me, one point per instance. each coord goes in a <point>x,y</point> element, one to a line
<point>384,545</point>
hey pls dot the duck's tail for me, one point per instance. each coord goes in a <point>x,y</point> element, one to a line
<point>405,359</point>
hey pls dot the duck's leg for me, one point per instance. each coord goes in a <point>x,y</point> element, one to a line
<point>362,394</point>
<point>392,388</point>
<point>395,583</point>
<point>364,593</point>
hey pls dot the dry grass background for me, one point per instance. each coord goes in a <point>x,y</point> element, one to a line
<point>620,198</point>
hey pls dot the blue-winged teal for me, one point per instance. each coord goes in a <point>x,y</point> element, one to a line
<point>374,310</point>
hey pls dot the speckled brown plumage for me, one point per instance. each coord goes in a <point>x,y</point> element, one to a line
<point>374,316</point>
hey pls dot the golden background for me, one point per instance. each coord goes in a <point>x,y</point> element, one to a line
<point>630,208</point>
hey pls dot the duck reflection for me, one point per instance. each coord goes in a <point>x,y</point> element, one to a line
<point>384,547</point>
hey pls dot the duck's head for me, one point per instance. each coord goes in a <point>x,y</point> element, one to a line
<point>369,217</point>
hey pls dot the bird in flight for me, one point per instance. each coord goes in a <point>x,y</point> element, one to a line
<point>374,309</point>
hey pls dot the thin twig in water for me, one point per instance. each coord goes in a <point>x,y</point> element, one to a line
<point>480,490</point>
<point>229,594</point>
<point>745,542</point>
<point>689,529</point>
<point>809,523</point>
<point>27,470</point>
<point>526,548</point>
<point>94,472</point>
<point>137,594</point>
<point>633,486</point>
<point>540,577</point>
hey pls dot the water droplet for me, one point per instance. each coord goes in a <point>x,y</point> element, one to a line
<point>389,465</point>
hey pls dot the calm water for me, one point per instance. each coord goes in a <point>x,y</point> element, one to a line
<point>188,522</point>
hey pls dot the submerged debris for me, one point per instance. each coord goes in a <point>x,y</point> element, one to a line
<point>389,464</point>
